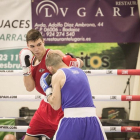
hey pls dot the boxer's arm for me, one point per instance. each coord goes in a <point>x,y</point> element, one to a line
<point>58,80</point>
<point>29,83</point>
<point>25,56</point>
<point>81,63</point>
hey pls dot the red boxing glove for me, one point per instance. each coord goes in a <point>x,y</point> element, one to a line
<point>69,61</point>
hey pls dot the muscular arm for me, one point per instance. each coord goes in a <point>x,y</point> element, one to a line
<point>81,63</point>
<point>58,80</point>
<point>29,82</point>
<point>25,56</point>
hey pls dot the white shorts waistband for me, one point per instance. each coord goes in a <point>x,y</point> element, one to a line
<point>79,112</point>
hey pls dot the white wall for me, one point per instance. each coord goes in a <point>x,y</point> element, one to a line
<point>13,85</point>
<point>110,85</point>
<point>101,85</point>
<point>135,113</point>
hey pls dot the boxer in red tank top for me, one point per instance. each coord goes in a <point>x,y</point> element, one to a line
<point>45,120</point>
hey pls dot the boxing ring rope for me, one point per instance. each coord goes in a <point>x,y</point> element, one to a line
<point>9,128</point>
<point>88,72</point>
<point>95,97</point>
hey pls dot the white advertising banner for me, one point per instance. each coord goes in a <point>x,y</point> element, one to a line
<point>15,22</point>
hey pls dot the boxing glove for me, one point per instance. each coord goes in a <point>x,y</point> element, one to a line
<point>45,83</point>
<point>70,55</point>
<point>25,57</point>
<point>69,61</point>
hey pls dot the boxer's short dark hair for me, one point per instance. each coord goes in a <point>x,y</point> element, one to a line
<point>33,35</point>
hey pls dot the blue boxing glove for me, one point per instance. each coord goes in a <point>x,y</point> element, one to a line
<point>45,83</point>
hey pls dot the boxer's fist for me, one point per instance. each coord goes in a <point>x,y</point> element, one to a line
<point>69,61</point>
<point>70,55</point>
<point>45,83</point>
<point>25,57</point>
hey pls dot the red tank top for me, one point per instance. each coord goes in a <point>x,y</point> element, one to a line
<point>38,70</point>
